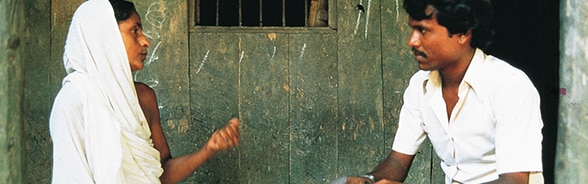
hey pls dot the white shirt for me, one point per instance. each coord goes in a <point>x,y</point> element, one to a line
<point>494,128</point>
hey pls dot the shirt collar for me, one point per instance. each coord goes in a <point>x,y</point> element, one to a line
<point>471,78</point>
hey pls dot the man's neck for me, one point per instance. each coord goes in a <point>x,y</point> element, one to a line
<point>452,76</point>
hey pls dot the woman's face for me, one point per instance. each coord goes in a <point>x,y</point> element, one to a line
<point>136,43</point>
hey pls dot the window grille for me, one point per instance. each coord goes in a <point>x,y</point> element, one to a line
<point>261,13</point>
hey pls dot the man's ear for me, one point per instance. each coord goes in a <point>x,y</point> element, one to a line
<point>464,38</point>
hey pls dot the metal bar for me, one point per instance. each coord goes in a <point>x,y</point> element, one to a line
<point>197,13</point>
<point>306,5</point>
<point>283,13</point>
<point>260,13</point>
<point>240,13</point>
<point>217,12</point>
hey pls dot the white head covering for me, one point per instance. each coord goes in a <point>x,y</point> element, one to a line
<point>117,139</point>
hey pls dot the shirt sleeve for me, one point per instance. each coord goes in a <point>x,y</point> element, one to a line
<point>410,134</point>
<point>518,126</point>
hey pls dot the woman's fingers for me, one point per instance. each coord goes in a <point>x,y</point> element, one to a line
<point>226,137</point>
<point>229,134</point>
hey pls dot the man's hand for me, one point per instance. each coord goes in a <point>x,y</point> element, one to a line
<point>224,138</point>
<point>364,180</point>
<point>358,180</point>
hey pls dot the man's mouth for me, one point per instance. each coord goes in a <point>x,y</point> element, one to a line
<point>418,53</point>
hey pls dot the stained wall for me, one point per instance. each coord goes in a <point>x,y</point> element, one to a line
<point>571,155</point>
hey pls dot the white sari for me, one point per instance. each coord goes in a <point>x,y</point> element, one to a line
<point>99,133</point>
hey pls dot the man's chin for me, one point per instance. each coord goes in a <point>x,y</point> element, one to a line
<point>424,67</point>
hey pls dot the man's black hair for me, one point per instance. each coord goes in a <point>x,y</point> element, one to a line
<point>122,9</point>
<point>458,16</point>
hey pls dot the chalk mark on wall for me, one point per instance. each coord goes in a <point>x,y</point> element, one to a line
<point>239,84</point>
<point>367,18</point>
<point>361,10</point>
<point>202,62</point>
<point>155,17</point>
<point>397,12</point>
<point>359,13</point>
<point>302,51</point>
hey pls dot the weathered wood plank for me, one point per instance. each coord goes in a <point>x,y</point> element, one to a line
<point>214,77</point>
<point>37,93</point>
<point>264,95</point>
<point>361,129</point>
<point>12,60</point>
<point>313,107</point>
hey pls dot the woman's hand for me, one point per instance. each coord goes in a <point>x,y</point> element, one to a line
<point>224,138</point>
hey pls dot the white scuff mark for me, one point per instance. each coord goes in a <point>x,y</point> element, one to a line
<point>367,18</point>
<point>202,62</point>
<point>359,12</point>
<point>239,85</point>
<point>302,51</point>
<point>357,24</point>
<point>241,56</point>
<point>397,12</point>
<point>274,53</point>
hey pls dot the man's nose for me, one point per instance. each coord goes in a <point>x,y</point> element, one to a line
<point>413,40</point>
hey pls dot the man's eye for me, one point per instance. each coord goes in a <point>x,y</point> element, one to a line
<point>421,30</point>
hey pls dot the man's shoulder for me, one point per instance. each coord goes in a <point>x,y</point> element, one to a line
<point>501,71</point>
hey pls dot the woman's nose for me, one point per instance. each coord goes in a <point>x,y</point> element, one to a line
<point>145,41</point>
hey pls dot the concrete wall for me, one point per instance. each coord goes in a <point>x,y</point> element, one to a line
<point>572,156</point>
<point>11,91</point>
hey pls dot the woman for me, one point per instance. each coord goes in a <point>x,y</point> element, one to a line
<point>103,130</point>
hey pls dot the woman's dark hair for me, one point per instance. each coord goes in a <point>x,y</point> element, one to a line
<point>122,9</point>
<point>458,16</point>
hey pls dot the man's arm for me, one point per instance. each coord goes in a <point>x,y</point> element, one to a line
<point>392,170</point>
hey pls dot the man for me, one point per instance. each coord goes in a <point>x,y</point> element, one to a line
<point>481,115</point>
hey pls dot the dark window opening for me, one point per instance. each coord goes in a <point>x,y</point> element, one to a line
<point>261,13</point>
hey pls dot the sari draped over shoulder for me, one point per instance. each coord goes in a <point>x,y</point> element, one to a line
<point>99,132</point>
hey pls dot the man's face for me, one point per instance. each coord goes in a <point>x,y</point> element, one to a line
<point>434,48</point>
<point>136,43</point>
